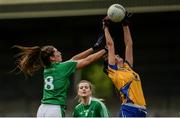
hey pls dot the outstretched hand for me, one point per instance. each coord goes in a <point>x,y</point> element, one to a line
<point>99,42</point>
<point>105,22</point>
<point>126,19</point>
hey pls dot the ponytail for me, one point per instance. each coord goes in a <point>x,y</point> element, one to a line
<point>29,59</point>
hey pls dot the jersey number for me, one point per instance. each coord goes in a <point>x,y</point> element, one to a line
<point>49,83</point>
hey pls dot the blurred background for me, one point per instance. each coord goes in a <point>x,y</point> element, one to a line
<point>73,26</point>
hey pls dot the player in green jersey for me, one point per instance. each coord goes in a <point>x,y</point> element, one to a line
<point>56,73</point>
<point>88,106</point>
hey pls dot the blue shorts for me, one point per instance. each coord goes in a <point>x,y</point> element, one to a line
<point>130,110</point>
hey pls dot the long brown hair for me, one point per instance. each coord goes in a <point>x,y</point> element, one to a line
<point>31,59</point>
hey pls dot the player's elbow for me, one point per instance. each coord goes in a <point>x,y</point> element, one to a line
<point>110,44</point>
<point>129,43</point>
<point>85,62</point>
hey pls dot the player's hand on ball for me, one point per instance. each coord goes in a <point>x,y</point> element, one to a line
<point>116,12</point>
<point>105,22</point>
<point>125,21</point>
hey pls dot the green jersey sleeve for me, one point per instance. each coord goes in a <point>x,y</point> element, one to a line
<point>69,67</point>
<point>102,109</point>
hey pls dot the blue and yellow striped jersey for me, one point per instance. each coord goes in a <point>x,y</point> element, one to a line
<point>128,84</point>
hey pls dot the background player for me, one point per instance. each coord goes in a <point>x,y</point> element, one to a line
<point>88,106</point>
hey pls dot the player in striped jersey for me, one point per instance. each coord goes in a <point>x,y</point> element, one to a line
<point>88,106</point>
<point>57,74</point>
<point>126,81</point>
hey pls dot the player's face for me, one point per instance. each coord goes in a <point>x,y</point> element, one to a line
<point>57,56</point>
<point>84,90</point>
<point>119,60</point>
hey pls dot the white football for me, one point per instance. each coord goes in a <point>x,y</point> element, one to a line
<point>116,12</point>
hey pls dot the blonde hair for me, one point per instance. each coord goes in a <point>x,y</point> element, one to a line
<point>91,86</point>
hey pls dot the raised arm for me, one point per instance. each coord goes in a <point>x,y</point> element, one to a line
<point>91,58</point>
<point>129,45</point>
<point>83,54</point>
<point>110,46</point>
<point>89,51</point>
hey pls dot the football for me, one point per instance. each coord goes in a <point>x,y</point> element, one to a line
<point>116,12</point>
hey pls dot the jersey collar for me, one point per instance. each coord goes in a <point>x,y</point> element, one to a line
<point>90,98</point>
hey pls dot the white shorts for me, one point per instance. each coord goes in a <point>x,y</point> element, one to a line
<point>49,110</point>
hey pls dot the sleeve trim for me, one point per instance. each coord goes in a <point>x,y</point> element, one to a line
<point>114,67</point>
<point>128,64</point>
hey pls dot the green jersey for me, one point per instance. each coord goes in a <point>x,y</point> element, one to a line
<point>56,82</point>
<point>95,108</point>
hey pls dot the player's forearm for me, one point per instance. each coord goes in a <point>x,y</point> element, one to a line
<point>83,54</point>
<point>109,41</point>
<point>96,55</point>
<point>127,36</point>
<point>91,58</point>
<point>110,45</point>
